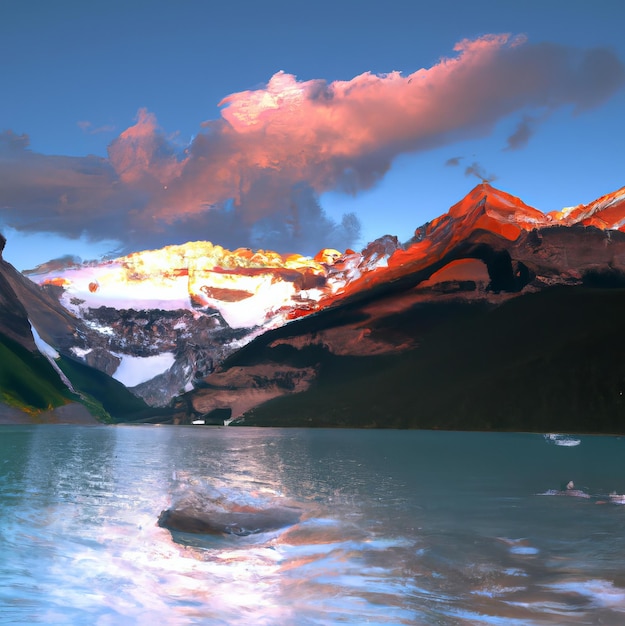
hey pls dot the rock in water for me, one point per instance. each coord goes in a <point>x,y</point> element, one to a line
<point>238,522</point>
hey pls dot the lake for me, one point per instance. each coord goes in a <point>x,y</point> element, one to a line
<point>395,527</point>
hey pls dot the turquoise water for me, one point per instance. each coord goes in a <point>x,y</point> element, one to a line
<point>397,527</point>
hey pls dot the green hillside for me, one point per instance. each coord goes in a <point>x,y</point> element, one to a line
<point>28,381</point>
<point>114,397</point>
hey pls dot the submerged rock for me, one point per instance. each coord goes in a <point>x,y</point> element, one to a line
<point>191,519</point>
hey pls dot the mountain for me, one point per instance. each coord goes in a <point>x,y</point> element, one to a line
<point>494,315</point>
<point>165,318</point>
<point>39,379</point>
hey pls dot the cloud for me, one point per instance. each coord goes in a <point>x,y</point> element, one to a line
<point>253,176</point>
<point>142,155</point>
<point>475,169</point>
<point>526,128</point>
<point>90,129</point>
<point>520,137</point>
<point>453,161</point>
<point>66,195</point>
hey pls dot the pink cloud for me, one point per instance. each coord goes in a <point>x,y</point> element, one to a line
<point>345,134</point>
<point>254,175</point>
<point>142,153</point>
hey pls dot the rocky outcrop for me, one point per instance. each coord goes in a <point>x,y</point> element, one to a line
<point>13,315</point>
<point>196,342</point>
<point>571,255</point>
<point>239,389</point>
<point>235,521</point>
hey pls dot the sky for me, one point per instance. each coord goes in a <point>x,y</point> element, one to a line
<point>294,126</point>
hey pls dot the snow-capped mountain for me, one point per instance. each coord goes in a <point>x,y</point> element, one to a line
<point>37,380</point>
<point>167,316</point>
<point>165,320</point>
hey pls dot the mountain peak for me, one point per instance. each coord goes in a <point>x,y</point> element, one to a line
<point>487,208</point>
<point>485,193</point>
<point>605,213</point>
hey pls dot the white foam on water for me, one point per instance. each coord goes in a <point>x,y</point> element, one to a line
<point>602,593</point>
<point>562,440</point>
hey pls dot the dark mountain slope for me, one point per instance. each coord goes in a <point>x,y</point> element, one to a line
<point>13,316</point>
<point>543,362</point>
<point>56,325</point>
<point>491,318</point>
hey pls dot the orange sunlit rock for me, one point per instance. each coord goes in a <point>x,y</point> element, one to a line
<point>329,256</point>
<point>282,287</point>
<point>506,230</point>
<point>226,295</point>
<point>57,282</point>
<point>607,212</point>
<point>461,269</point>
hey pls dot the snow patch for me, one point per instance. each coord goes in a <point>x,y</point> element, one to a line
<point>51,354</point>
<point>81,353</point>
<point>103,330</point>
<point>134,370</point>
<point>253,311</point>
<point>109,285</point>
<point>45,349</point>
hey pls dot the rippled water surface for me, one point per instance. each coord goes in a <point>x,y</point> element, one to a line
<point>396,527</point>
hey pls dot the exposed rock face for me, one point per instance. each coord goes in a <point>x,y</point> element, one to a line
<point>147,332</point>
<point>571,254</point>
<point>13,315</point>
<point>192,363</point>
<point>196,342</point>
<point>101,359</point>
<point>57,326</point>
<point>379,251</point>
<point>239,389</point>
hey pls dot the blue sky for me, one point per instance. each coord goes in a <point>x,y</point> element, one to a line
<point>115,140</point>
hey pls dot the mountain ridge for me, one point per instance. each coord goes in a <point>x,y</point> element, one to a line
<point>204,309</point>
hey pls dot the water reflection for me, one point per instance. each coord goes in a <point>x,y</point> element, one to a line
<point>395,528</point>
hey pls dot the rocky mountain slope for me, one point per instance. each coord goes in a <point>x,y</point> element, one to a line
<point>40,381</point>
<point>165,318</point>
<point>496,316</point>
<point>395,335</point>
